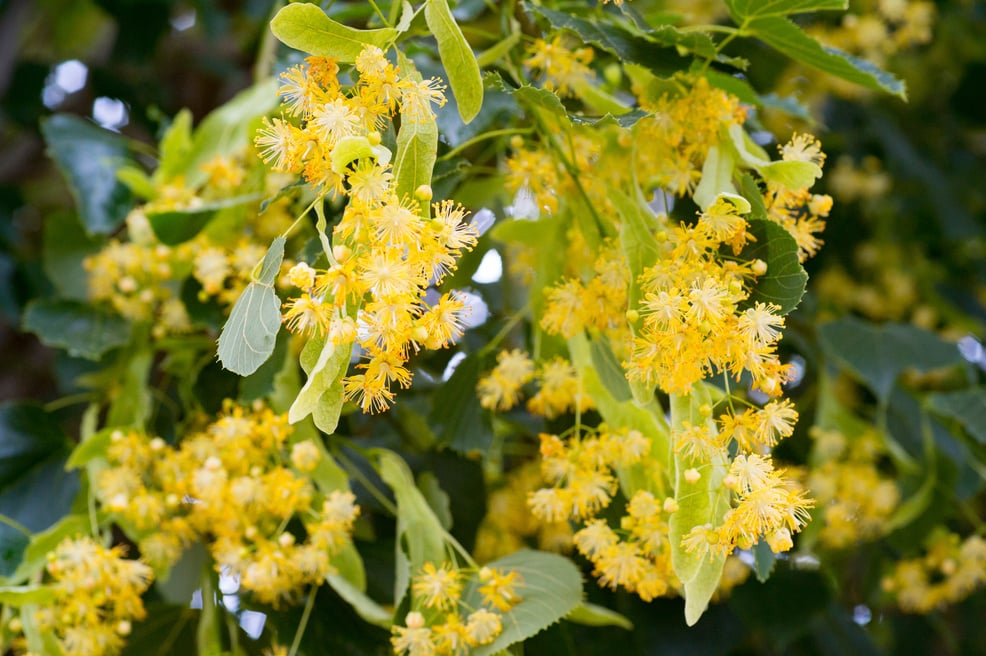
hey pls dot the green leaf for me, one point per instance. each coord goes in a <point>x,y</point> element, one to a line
<point>173,227</point>
<point>624,119</point>
<point>250,333</point>
<point>457,58</point>
<point>967,406</point>
<point>322,393</point>
<point>764,560</point>
<point>550,589</point>
<point>419,532</point>
<point>176,144</point>
<point>456,414</point>
<point>95,446</point>
<point>741,9</point>
<point>618,41</point>
<point>35,489</point>
<point>306,27</point>
<point>417,148</point>
<point>793,175</point>
<point>588,614</point>
<point>702,502</point>
<point>637,239</point>
<point>228,129</point>
<point>83,330</point>
<point>18,595</point>
<point>66,245</point>
<point>879,354</point>
<point>89,157</point>
<point>783,35</point>
<point>36,554</point>
<point>608,368</point>
<point>369,610</point>
<point>717,174</point>
<point>436,497</point>
<point>131,400</point>
<point>785,280</point>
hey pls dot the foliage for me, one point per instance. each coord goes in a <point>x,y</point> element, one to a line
<point>290,383</point>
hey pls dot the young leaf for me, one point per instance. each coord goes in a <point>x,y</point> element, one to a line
<point>89,157</point>
<point>457,58</point>
<point>703,502</point>
<point>417,148</point>
<point>419,532</point>
<point>717,174</point>
<point>369,610</point>
<point>324,386</point>
<point>84,330</point>
<point>250,333</point>
<point>783,35</point>
<point>550,588</point>
<point>175,146</point>
<point>588,614</point>
<point>307,28</point>
<point>785,280</point>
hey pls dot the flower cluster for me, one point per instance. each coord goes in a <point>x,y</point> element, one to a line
<point>950,571</point>
<point>565,70</point>
<point>97,597</point>
<point>559,385</point>
<point>235,486</point>
<point>855,498</point>
<point>387,252</point>
<point>444,624</point>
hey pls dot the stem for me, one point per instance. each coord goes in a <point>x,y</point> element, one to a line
<point>482,137</point>
<point>305,211</point>
<point>374,491</point>
<point>264,66</point>
<point>14,524</point>
<point>507,327</point>
<point>380,13</point>
<point>309,604</point>
<point>66,401</point>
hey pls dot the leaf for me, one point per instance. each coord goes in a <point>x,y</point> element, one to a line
<point>307,28</point>
<point>610,373</point>
<point>95,446</point>
<point>436,497</point>
<point>967,406</point>
<point>250,333</point>
<point>456,414</point>
<point>417,148</point>
<point>35,489</point>
<point>616,40</point>
<point>702,502</point>
<point>785,280</point>
<point>783,35</point>
<point>228,129</point>
<point>764,560</point>
<point>793,175</point>
<point>322,393</point>
<point>879,354</point>
<point>637,240</point>
<point>457,58</point>
<point>66,245</point>
<point>18,595</point>
<point>89,157</point>
<point>365,607</point>
<point>625,119</point>
<point>717,174</point>
<point>173,227</point>
<point>175,146</point>
<point>588,614</point>
<point>83,330</point>
<point>35,555</point>
<point>551,589</point>
<point>741,9</point>
<point>419,532</point>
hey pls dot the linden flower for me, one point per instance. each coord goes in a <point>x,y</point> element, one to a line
<point>498,588</point>
<point>417,97</point>
<point>307,315</point>
<point>415,639</point>
<point>483,626</point>
<point>439,588</point>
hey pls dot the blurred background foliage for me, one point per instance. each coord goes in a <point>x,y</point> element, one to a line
<point>904,244</point>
